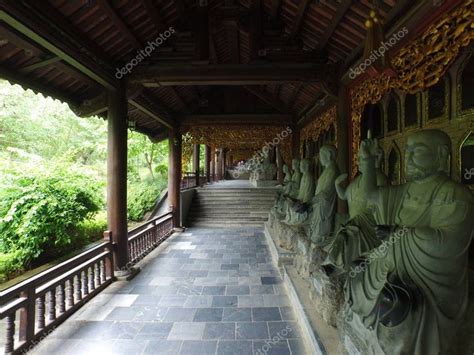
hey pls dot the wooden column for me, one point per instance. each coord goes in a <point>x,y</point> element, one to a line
<point>220,163</point>
<point>207,162</point>
<point>174,174</point>
<point>295,144</point>
<point>196,153</point>
<point>117,175</point>
<point>343,144</point>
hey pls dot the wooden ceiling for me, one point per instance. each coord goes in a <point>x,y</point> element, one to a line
<point>248,61</point>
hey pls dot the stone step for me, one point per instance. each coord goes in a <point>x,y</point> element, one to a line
<point>217,225</point>
<point>242,207</point>
<point>197,214</point>
<point>234,204</point>
<point>250,197</point>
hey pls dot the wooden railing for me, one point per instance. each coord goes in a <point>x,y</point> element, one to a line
<point>147,236</point>
<point>39,304</point>
<point>189,180</point>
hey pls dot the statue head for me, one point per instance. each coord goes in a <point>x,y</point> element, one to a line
<point>426,153</point>
<point>295,164</point>
<point>305,165</point>
<point>327,154</point>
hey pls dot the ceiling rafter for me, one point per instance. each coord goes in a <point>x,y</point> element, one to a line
<point>298,20</point>
<point>268,98</point>
<point>340,13</point>
<point>119,23</point>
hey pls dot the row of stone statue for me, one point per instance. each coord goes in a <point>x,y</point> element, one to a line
<point>411,239</point>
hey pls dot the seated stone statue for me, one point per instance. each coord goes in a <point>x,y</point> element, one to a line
<point>357,236</point>
<point>323,204</point>
<point>415,291</point>
<point>266,169</point>
<point>287,174</point>
<point>296,208</point>
<point>289,191</point>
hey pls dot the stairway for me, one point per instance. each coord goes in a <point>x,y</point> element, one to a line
<point>231,207</point>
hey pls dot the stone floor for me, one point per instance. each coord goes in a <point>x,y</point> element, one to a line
<point>205,291</point>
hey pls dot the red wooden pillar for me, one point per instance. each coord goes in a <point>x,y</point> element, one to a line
<point>174,175</point>
<point>117,175</point>
<point>196,153</point>
<point>295,144</point>
<point>219,163</point>
<point>207,162</point>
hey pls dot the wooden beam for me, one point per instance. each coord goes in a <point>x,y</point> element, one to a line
<point>64,27</point>
<point>341,12</point>
<point>68,54</point>
<point>118,22</point>
<point>275,9</point>
<point>237,119</point>
<point>294,95</point>
<point>228,74</point>
<point>201,30</point>
<point>28,83</point>
<point>316,110</point>
<point>92,107</point>
<point>151,109</point>
<point>256,29</point>
<point>40,64</point>
<point>182,12</point>
<point>232,37</point>
<point>157,20</point>
<point>268,98</point>
<point>413,10</point>
<point>299,17</point>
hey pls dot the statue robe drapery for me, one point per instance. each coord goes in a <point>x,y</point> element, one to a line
<point>430,258</point>
<point>357,235</point>
<point>324,205</point>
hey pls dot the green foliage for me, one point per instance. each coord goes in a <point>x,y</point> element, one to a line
<point>45,210</point>
<point>9,264</point>
<point>142,197</point>
<point>38,214</point>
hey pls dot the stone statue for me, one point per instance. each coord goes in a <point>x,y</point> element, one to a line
<point>289,191</point>
<point>414,291</point>
<point>287,173</point>
<point>266,170</point>
<point>358,234</point>
<point>294,185</point>
<point>324,200</point>
<point>296,209</point>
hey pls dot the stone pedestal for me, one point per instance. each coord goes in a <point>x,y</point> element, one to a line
<point>284,235</point>
<point>264,183</point>
<point>325,291</point>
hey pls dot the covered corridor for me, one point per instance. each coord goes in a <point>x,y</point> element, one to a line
<point>203,291</point>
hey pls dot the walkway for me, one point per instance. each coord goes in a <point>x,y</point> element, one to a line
<point>204,291</point>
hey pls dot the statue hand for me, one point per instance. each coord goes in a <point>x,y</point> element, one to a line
<point>340,179</point>
<point>384,231</point>
<point>368,147</point>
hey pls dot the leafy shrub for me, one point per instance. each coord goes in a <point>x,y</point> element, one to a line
<point>90,230</point>
<point>9,264</point>
<point>142,197</point>
<point>39,214</point>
